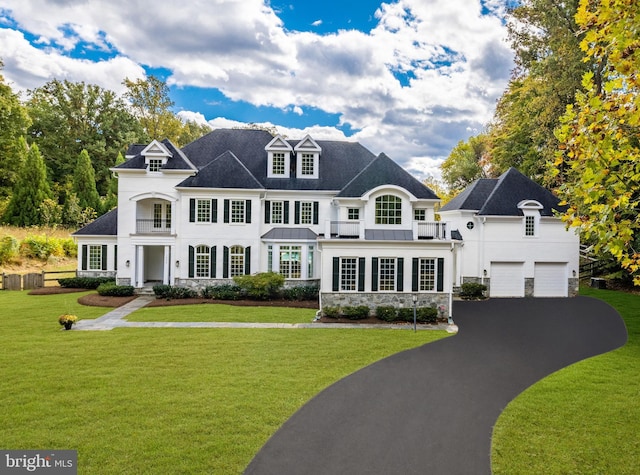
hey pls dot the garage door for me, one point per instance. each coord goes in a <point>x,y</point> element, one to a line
<point>550,279</point>
<point>507,279</point>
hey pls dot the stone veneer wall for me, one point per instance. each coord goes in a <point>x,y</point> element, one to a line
<point>380,299</point>
<point>199,284</point>
<point>573,284</point>
<point>97,273</point>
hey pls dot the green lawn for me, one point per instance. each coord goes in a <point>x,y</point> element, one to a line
<point>584,419</point>
<point>222,313</point>
<point>162,400</point>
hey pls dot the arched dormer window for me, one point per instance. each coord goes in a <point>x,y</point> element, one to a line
<point>531,211</point>
<point>388,209</point>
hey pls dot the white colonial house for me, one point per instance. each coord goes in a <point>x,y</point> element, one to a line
<point>239,202</point>
<point>512,240</point>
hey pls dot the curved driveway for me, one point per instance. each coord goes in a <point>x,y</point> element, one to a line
<point>431,410</point>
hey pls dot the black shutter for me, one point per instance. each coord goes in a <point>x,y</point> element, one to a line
<point>214,210</point>
<point>415,268</point>
<point>226,211</point>
<point>247,260</point>
<point>361,265</point>
<point>247,216</point>
<point>267,212</point>
<point>440,284</point>
<point>336,274</point>
<point>296,213</point>
<point>115,257</point>
<point>192,210</point>
<point>192,261</point>
<point>316,209</point>
<point>374,274</point>
<point>84,256</point>
<point>104,257</point>
<point>212,262</point>
<point>286,212</point>
<point>400,274</point>
<point>225,262</point>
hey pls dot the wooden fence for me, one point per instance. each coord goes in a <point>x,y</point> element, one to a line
<point>33,280</point>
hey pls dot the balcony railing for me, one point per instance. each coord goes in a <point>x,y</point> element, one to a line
<point>153,226</point>
<point>433,230</point>
<point>345,229</point>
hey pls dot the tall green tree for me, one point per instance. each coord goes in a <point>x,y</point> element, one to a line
<point>69,117</point>
<point>14,122</point>
<point>599,162</point>
<point>111,200</point>
<point>549,67</point>
<point>84,183</point>
<point>467,162</point>
<point>30,192</point>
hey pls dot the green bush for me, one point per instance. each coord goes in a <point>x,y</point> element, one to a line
<point>69,247</point>
<point>41,247</point>
<point>110,289</point>
<point>426,315</point>
<point>84,282</point>
<point>168,292</point>
<point>405,314</point>
<point>222,292</point>
<point>331,312</point>
<point>386,313</point>
<point>472,290</point>
<point>359,312</point>
<point>260,286</point>
<point>8,249</point>
<point>301,292</point>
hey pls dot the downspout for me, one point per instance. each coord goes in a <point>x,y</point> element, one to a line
<point>481,262</point>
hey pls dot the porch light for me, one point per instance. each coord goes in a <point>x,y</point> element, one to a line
<point>414,297</point>
<point>127,263</point>
<point>177,263</point>
<point>484,272</point>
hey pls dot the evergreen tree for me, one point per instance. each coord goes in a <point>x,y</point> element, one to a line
<point>84,183</point>
<point>30,192</point>
<point>111,200</point>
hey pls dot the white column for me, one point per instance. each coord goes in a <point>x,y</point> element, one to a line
<point>139,268</point>
<point>167,264</point>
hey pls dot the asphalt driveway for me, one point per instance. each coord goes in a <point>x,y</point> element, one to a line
<point>431,410</point>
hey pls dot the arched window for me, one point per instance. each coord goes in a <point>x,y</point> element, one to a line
<point>203,261</point>
<point>388,209</point>
<point>236,260</point>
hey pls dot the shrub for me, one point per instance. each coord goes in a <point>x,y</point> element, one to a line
<point>8,249</point>
<point>387,314</point>
<point>222,292</point>
<point>260,286</point>
<point>168,292</point>
<point>427,315</point>
<point>331,312</point>
<point>359,312</point>
<point>472,290</point>
<point>41,247</point>
<point>84,282</point>
<point>405,314</point>
<point>301,292</point>
<point>110,289</point>
<point>69,247</point>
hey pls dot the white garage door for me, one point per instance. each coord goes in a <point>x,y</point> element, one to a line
<point>507,279</point>
<point>550,279</point>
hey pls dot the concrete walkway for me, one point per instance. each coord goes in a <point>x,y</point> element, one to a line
<point>116,319</point>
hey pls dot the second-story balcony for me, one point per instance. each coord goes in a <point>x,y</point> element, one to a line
<point>356,230</point>
<point>153,226</point>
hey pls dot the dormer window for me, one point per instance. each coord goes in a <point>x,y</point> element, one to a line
<point>307,158</point>
<point>278,163</point>
<point>278,158</point>
<point>155,164</point>
<point>307,163</point>
<point>531,211</point>
<point>388,209</point>
<point>155,156</point>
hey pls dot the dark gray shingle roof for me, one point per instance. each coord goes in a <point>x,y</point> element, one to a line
<point>105,225</point>
<point>294,234</point>
<point>226,171</point>
<point>178,160</point>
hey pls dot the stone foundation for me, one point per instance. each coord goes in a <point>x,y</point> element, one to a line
<point>380,299</point>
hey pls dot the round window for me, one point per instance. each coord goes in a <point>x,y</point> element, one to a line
<point>470,225</point>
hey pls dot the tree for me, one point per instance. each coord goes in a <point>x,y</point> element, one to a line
<point>30,192</point>
<point>549,67</point>
<point>111,200</point>
<point>599,161</point>
<point>467,162</point>
<point>69,117</point>
<point>84,183</point>
<point>191,130</point>
<point>13,126</point>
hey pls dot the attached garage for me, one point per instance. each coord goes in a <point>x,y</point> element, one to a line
<point>507,279</point>
<point>550,279</point>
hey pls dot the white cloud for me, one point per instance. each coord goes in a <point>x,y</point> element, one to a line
<point>452,61</point>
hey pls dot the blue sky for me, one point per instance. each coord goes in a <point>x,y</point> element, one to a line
<point>410,78</point>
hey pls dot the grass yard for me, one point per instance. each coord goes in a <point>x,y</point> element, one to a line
<point>583,419</point>
<point>151,401</point>
<point>222,313</point>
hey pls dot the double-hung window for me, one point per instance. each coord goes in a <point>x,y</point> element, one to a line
<point>278,163</point>
<point>202,261</point>
<point>277,212</point>
<point>387,274</point>
<point>236,258</point>
<point>427,274</point>
<point>348,273</point>
<point>237,211</point>
<point>306,212</point>
<point>307,162</point>
<point>95,257</point>
<point>203,211</point>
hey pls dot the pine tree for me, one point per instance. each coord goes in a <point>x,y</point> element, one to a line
<point>30,191</point>
<point>112,196</point>
<point>84,183</point>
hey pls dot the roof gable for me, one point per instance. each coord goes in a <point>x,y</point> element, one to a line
<point>226,171</point>
<point>278,144</point>
<point>105,225</point>
<point>307,144</point>
<point>175,159</point>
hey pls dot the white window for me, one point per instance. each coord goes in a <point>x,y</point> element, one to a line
<point>427,274</point>
<point>278,163</point>
<point>307,164</point>
<point>277,213</point>
<point>155,164</point>
<point>353,214</point>
<point>270,258</point>
<point>95,257</point>
<point>291,261</point>
<point>530,226</point>
<point>388,210</point>
<point>202,258</point>
<point>387,274</point>
<point>236,261</point>
<point>237,211</point>
<point>203,211</point>
<point>310,262</point>
<point>420,214</point>
<point>348,273</point>
<point>306,212</point>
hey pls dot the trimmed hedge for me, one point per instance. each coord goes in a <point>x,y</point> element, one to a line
<point>387,314</point>
<point>260,286</point>
<point>222,292</point>
<point>110,289</point>
<point>331,312</point>
<point>472,290</point>
<point>169,292</point>
<point>405,314</point>
<point>84,282</point>
<point>301,292</point>
<point>359,312</point>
